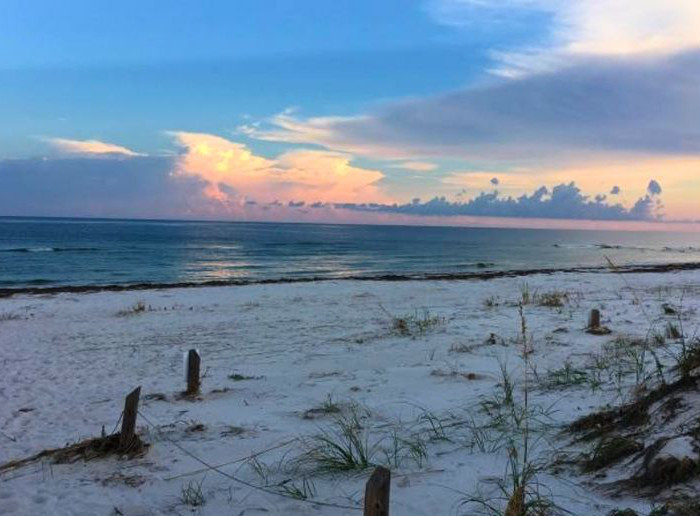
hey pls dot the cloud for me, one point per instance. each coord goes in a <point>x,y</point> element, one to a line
<point>95,187</point>
<point>564,201</point>
<point>615,190</point>
<point>595,107</point>
<point>147,187</point>
<point>654,187</point>
<point>89,147</point>
<point>232,172</point>
<point>582,27</point>
<point>417,166</point>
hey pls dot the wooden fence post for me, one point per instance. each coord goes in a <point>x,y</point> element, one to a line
<point>594,319</point>
<point>193,361</point>
<point>377,493</point>
<point>131,409</point>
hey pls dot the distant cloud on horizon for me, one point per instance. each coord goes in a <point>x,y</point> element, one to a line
<point>564,201</point>
<point>89,147</point>
<point>168,186</point>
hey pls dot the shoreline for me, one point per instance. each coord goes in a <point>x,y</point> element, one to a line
<point>514,273</point>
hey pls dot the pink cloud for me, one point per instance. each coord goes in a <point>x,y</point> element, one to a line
<point>234,174</point>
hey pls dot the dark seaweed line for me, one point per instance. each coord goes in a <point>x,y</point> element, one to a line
<point>673,267</point>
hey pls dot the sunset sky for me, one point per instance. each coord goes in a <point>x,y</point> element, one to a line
<point>535,113</point>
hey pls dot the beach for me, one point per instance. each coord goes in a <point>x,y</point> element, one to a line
<point>413,363</point>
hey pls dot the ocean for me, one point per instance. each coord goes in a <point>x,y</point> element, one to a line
<point>36,252</point>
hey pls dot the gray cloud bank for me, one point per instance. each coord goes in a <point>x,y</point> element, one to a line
<point>595,105</point>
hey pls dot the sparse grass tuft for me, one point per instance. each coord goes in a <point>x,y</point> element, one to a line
<point>554,299</point>
<point>566,376</point>
<point>491,302</point>
<point>191,494</point>
<point>327,408</point>
<point>416,324</point>
<point>237,377</point>
<point>345,447</point>
<point>9,316</point>
<point>299,491</point>
<point>672,331</point>
<point>611,450</point>
<point>139,307</point>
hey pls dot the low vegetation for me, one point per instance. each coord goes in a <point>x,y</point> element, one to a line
<point>137,308</point>
<point>416,324</point>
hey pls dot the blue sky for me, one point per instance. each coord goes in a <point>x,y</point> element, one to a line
<point>422,98</point>
<point>127,70</point>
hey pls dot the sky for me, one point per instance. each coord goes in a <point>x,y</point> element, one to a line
<point>520,113</point>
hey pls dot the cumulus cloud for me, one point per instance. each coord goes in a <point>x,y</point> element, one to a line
<point>654,187</point>
<point>89,148</point>
<point>232,172</point>
<point>564,201</point>
<point>594,107</point>
<point>148,187</point>
<point>583,27</point>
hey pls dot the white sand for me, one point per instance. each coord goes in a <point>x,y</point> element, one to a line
<point>68,361</point>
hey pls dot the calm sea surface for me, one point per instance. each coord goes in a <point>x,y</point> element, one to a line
<point>55,252</point>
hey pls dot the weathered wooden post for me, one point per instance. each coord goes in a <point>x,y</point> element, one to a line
<point>131,409</point>
<point>193,361</point>
<point>594,319</point>
<point>377,493</point>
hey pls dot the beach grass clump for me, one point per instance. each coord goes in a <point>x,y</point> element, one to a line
<point>553,299</point>
<point>673,332</point>
<point>301,490</point>
<point>491,302</point>
<point>566,376</point>
<point>343,447</point>
<point>191,494</point>
<point>610,450</point>
<point>350,444</point>
<point>416,324</point>
<point>137,308</point>
<point>9,316</point>
<point>329,407</point>
<point>238,377</point>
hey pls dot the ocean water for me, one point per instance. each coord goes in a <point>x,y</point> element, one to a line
<point>60,252</point>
